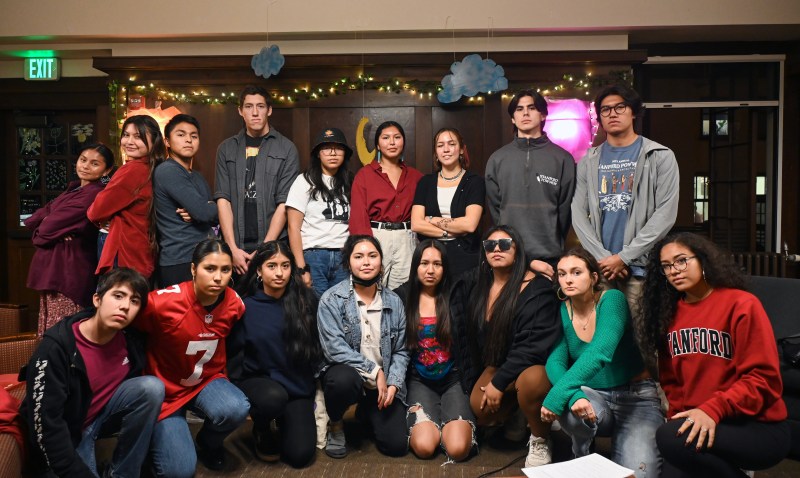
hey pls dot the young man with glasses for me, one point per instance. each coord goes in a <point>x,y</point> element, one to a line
<point>626,198</point>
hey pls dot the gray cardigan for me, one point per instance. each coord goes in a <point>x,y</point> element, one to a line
<point>653,210</point>
<point>277,165</point>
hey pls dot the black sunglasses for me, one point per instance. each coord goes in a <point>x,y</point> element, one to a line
<point>505,244</point>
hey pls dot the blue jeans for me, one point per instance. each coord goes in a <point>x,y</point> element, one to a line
<point>326,268</point>
<point>630,415</point>
<point>224,408</point>
<point>132,411</point>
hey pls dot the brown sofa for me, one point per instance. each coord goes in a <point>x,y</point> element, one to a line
<point>15,351</point>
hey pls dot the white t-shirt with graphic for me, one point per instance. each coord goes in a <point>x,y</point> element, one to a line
<point>325,224</point>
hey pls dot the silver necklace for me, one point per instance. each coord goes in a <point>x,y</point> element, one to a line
<point>454,177</point>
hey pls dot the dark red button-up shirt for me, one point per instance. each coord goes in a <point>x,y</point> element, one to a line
<point>374,198</point>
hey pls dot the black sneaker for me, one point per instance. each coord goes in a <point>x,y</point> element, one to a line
<point>266,445</point>
<point>211,458</point>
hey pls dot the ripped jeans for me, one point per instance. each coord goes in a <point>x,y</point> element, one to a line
<point>630,415</point>
<point>442,401</point>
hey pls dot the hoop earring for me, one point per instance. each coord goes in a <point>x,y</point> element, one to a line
<point>105,179</point>
<point>559,292</point>
<point>258,280</point>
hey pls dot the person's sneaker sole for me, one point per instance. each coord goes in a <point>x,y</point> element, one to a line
<point>336,453</point>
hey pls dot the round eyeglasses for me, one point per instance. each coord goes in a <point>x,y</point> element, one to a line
<point>618,108</point>
<point>679,265</point>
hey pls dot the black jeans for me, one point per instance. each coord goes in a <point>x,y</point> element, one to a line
<point>738,445</point>
<point>295,418</point>
<point>343,387</point>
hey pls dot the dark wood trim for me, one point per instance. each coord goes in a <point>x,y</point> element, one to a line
<point>220,70</point>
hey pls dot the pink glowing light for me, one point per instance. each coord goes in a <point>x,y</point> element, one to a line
<point>570,125</point>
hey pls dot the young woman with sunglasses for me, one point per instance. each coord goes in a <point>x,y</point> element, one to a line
<point>600,385</point>
<point>439,413</point>
<point>511,325</point>
<point>717,362</point>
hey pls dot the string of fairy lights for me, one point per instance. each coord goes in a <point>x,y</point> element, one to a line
<point>569,85</point>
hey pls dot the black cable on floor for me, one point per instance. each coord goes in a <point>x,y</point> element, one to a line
<point>489,473</point>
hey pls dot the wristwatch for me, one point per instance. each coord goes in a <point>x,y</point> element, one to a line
<point>306,268</point>
<point>445,235</point>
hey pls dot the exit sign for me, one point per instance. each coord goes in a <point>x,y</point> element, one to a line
<point>42,69</point>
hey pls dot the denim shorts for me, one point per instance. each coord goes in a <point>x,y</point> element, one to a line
<point>442,400</point>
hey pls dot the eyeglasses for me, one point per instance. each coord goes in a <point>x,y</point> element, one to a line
<point>333,148</point>
<point>505,244</point>
<point>679,265</point>
<point>618,108</point>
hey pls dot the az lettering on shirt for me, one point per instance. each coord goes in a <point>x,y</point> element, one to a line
<point>700,340</point>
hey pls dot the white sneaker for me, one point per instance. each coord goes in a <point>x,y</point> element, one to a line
<point>749,473</point>
<point>538,452</point>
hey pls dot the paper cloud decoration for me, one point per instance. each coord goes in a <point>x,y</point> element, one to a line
<point>268,61</point>
<point>471,76</point>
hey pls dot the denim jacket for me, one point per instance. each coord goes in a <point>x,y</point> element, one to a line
<point>340,333</point>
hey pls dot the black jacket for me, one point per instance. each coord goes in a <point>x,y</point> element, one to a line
<point>58,397</point>
<point>536,328</point>
<point>471,190</point>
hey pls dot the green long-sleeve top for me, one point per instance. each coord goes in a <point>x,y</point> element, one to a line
<point>611,358</point>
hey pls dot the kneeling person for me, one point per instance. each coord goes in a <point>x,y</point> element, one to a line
<point>85,382</point>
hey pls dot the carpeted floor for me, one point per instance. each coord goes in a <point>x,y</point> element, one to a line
<point>365,461</point>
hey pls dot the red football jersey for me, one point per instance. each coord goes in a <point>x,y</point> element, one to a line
<point>186,343</point>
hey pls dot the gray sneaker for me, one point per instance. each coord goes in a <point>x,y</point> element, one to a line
<point>337,445</point>
<point>538,452</point>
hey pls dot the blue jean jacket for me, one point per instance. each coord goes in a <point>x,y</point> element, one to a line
<point>340,334</point>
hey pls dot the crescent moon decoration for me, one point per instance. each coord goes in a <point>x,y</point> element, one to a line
<point>364,154</point>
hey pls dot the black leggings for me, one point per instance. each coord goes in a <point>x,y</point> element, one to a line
<point>295,417</point>
<point>738,445</point>
<point>343,387</point>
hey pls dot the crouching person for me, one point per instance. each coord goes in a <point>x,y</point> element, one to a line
<point>85,382</point>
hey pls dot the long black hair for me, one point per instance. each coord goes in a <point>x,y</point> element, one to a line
<point>148,129</point>
<point>341,184</point>
<point>443,333</point>
<point>495,324</point>
<point>659,300</point>
<point>298,301</point>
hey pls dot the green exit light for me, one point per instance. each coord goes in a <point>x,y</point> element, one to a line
<point>42,69</point>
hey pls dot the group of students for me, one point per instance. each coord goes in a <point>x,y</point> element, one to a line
<point>386,296</point>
